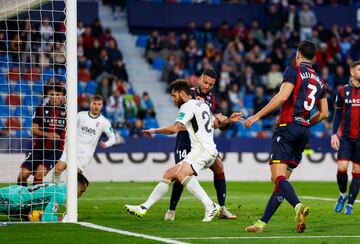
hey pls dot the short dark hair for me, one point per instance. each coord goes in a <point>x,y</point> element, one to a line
<point>82,179</point>
<point>180,85</point>
<point>97,98</point>
<point>55,86</point>
<point>211,73</point>
<point>354,64</point>
<point>307,49</point>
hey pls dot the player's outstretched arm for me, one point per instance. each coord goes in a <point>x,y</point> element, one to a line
<point>167,130</point>
<point>322,114</point>
<point>222,122</point>
<point>284,93</point>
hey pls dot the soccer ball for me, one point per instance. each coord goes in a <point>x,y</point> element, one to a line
<point>35,215</point>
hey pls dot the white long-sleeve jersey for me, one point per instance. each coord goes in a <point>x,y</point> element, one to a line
<point>89,131</point>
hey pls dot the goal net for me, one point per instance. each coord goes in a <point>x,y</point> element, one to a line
<point>37,106</point>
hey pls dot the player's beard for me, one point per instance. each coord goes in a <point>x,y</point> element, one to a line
<point>181,102</point>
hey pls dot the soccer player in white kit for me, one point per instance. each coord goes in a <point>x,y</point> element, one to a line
<point>196,117</point>
<point>90,125</point>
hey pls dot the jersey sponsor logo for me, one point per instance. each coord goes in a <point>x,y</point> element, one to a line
<point>353,101</point>
<point>180,116</point>
<point>302,120</point>
<point>88,130</point>
<point>52,122</point>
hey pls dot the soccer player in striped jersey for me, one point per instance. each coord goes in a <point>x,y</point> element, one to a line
<point>347,113</point>
<point>19,201</point>
<point>48,128</point>
<point>203,91</point>
<point>300,91</point>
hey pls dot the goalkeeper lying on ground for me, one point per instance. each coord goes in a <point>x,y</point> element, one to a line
<point>20,201</point>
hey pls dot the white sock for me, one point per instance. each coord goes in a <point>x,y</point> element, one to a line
<point>343,194</point>
<point>160,190</point>
<point>193,186</point>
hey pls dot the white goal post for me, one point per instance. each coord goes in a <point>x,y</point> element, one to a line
<point>14,12</point>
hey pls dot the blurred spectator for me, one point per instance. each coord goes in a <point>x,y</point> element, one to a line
<point>97,29</point>
<point>153,46</point>
<point>114,53</point>
<point>291,18</point>
<point>137,128</point>
<point>104,88</point>
<point>106,38</point>
<point>115,108</point>
<point>80,28</point>
<point>147,104</point>
<point>260,100</point>
<point>340,78</point>
<point>119,70</point>
<point>274,79</point>
<point>307,20</point>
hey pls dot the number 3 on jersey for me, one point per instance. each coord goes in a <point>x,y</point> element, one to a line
<point>311,97</point>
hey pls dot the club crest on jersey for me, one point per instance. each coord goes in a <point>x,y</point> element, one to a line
<point>63,113</point>
<point>180,116</point>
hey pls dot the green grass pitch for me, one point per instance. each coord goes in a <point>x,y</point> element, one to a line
<point>103,204</point>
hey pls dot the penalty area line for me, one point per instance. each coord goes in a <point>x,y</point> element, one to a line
<point>128,233</point>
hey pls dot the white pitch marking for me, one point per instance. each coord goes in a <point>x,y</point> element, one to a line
<point>322,199</point>
<point>128,233</point>
<point>262,237</point>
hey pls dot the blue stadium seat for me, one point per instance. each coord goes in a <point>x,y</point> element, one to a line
<point>2,100</point>
<point>141,41</point>
<point>249,101</point>
<point>22,134</point>
<point>91,87</point>
<point>80,88</point>
<point>23,87</point>
<point>27,123</point>
<point>38,88</point>
<point>4,111</point>
<point>124,132</point>
<point>151,123</point>
<point>23,111</point>
<point>31,100</point>
<point>3,79</point>
<point>4,88</point>
<point>158,64</point>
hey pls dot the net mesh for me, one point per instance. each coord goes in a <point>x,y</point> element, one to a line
<point>32,64</point>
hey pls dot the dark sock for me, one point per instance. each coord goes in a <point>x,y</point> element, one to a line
<point>342,179</point>
<point>37,181</point>
<point>175,194</point>
<point>21,183</point>
<point>287,191</point>
<point>354,188</point>
<point>273,204</point>
<point>220,186</point>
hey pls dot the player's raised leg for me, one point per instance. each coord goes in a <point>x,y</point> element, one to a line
<point>159,191</point>
<point>220,186</point>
